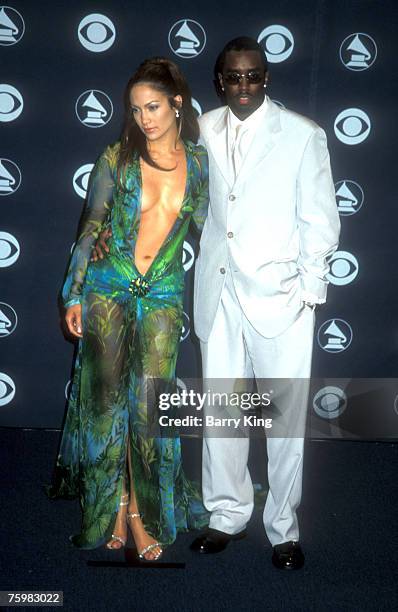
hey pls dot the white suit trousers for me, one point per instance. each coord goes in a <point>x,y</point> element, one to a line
<point>236,350</point>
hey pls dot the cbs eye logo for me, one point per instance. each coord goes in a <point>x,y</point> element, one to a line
<point>9,249</point>
<point>352,126</point>
<point>344,268</point>
<point>329,402</point>
<point>81,179</point>
<point>11,103</point>
<point>7,389</point>
<point>277,42</point>
<point>12,26</point>
<point>68,388</point>
<point>96,33</point>
<point>196,106</point>
<point>185,327</point>
<point>396,405</point>
<point>188,256</point>
<point>181,386</point>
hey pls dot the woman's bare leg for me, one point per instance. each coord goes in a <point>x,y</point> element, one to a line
<point>120,527</point>
<point>141,537</point>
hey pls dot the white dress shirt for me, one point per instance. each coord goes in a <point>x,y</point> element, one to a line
<point>241,133</point>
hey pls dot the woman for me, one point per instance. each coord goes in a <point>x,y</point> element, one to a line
<point>127,312</point>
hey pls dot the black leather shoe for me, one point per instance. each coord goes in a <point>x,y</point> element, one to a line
<point>214,541</point>
<point>288,556</point>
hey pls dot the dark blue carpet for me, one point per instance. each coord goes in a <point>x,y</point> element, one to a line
<point>349,535</point>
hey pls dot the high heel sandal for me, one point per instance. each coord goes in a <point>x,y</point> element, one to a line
<point>142,553</point>
<point>116,538</point>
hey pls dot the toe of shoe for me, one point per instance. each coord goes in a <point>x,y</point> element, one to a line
<point>288,557</point>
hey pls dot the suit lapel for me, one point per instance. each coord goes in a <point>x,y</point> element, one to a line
<point>263,141</point>
<point>218,144</point>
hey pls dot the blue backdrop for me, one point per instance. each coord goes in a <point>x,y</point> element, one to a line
<point>64,66</point>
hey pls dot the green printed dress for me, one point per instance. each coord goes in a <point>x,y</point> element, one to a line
<point>131,331</point>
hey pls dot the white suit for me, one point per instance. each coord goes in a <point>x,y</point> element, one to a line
<point>263,250</point>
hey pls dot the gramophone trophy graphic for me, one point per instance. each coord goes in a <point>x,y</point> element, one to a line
<point>346,200</point>
<point>360,55</point>
<point>7,181</point>
<point>8,30</point>
<point>5,325</point>
<point>336,338</point>
<point>96,112</point>
<point>188,43</point>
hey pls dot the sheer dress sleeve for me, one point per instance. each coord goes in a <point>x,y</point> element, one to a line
<point>202,191</point>
<point>93,220</point>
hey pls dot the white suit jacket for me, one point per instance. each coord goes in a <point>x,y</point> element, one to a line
<point>275,226</point>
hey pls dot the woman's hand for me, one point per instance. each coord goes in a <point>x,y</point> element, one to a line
<point>100,246</point>
<point>73,320</point>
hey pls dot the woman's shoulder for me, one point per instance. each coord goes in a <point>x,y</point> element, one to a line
<point>111,154</point>
<point>199,154</point>
<point>196,149</point>
<point>200,162</point>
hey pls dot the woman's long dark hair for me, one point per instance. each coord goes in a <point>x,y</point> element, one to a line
<point>164,76</point>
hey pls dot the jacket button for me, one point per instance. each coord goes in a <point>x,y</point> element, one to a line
<point>230,234</point>
<point>222,270</point>
<point>232,198</point>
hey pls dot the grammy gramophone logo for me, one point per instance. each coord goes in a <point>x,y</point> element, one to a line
<point>12,26</point>
<point>94,108</point>
<point>187,38</point>
<point>8,320</point>
<point>358,51</point>
<point>334,336</point>
<point>10,177</point>
<point>349,197</point>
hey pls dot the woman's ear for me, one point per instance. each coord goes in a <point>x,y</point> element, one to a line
<point>178,101</point>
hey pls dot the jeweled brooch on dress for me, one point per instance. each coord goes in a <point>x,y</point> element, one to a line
<point>139,286</point>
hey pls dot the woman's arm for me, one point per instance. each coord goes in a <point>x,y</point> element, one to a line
<point>202,190</point>
<point>96,211</point>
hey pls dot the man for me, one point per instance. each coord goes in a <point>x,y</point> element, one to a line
<point>271,227</point>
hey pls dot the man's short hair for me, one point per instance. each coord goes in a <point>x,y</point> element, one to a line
<point>242,43</point>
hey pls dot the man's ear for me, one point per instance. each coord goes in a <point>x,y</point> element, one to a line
<point>220,80</point>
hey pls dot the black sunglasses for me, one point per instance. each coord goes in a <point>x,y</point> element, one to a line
<point>253,77</point>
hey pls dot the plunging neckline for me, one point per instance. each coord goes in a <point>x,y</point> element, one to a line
<point>139,211</point>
